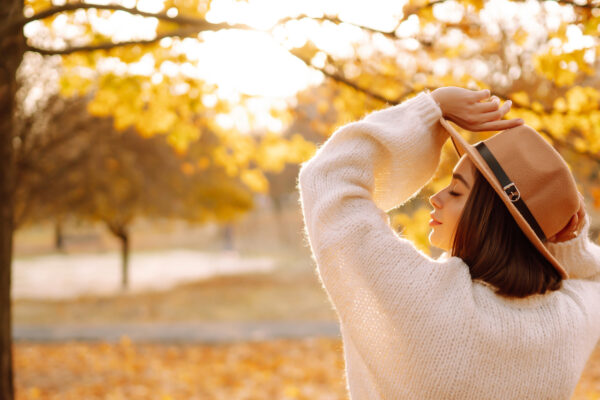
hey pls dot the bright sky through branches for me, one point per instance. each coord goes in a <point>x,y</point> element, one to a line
<point>256,63</point>
<point>259,64</point>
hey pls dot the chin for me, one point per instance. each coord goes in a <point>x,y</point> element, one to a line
<point>432,239</point>
<point>435,242</point>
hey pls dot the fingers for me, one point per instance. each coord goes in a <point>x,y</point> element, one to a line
<point>481,94</point>
<point>581,212</point>
<point>483,113</point>
<point>568,232</point>
<point>493,120</point>
<point>487,106</point>
<point>497,114</point>
<point>573,222</point>
<point>498,125</point>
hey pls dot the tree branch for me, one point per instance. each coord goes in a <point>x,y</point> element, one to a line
<point>341,79</point>
<point>417,10</point>
<point>180,19</point>
<point>184,32</point>
<point>336,20</point>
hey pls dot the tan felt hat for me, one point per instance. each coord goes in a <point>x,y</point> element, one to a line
<point>531,178</point>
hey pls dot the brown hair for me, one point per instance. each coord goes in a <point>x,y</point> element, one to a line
<point>491,243</point>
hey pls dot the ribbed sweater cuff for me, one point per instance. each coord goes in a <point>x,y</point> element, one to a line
<point>427,108</point>
<point>429,112</point>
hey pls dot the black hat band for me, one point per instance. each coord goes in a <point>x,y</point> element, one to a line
<point>509,188</point>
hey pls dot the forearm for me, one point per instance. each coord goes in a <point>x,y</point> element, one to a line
<point>580,256</point>
<point>396,148</point>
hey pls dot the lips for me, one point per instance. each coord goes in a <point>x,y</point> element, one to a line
<point>435,220</point>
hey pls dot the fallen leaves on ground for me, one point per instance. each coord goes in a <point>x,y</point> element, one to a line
<point>284,369</point>
<point>278,369</point>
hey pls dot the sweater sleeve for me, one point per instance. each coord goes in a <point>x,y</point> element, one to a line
<point>365,168</point>
<point>580,256</point>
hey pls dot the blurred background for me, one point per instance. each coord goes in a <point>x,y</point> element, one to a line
<point>150,152</point>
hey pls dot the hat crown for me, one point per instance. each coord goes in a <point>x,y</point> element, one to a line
<point>540,174</point>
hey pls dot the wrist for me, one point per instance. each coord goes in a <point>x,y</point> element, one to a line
<point>435,95</point>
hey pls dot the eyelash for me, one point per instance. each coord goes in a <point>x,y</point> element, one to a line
<point>454,194</point>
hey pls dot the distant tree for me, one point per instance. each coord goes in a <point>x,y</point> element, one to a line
<point>81,166</point>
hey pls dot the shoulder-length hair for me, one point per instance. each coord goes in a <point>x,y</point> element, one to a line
<point>491,243</point>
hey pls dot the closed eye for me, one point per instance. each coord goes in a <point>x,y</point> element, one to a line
<point>454,194</point>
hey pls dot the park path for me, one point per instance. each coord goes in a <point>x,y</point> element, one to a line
<point>185,332</point>
<point>60,276</point>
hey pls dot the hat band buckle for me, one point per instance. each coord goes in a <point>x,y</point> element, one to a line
<point>512,191</point>
<point>509,188</point>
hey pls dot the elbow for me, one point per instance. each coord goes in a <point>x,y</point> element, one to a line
<point>305,176</point>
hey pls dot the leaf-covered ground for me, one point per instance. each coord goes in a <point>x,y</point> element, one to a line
<point>287,369</point>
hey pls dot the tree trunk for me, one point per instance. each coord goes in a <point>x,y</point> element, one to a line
<point>59,243</point>
<point>228,237</point>
<point>12,47</point>
<point>120,230</point>
<point>124,236</point>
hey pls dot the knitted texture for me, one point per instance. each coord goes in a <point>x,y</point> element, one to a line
<point>414,327</point>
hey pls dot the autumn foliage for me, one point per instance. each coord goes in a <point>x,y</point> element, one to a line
<point>276,370</point>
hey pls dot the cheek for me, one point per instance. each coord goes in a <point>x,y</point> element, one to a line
<point>454,211</point>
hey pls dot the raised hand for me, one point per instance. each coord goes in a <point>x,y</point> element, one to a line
<point>573,227</point>
<point>474,109</point>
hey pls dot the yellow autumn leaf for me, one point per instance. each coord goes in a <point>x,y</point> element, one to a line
<point>38,5</point>
<point>182,134</point>
<point>300,149</point>
<point>71,85</point>
<point>560,104</point>
<point>596,196</point>
<point>581,99</point>
<point>255,180</point>
<point>537,107</point>
<point>291,391</point>
<point>592,26</point>
<point>124,116</point>
<point>520,98</point>
<point>439,184</point>
<point>203,163</point>
<point>272,153</point>
<point>415,227</point>
<point>520,36</point>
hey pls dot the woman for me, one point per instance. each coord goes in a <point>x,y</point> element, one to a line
<point>414,327</point>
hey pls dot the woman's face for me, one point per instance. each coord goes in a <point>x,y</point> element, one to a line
<point>448,204</point>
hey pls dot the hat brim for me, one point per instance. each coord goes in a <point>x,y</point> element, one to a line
<point>463,147</point>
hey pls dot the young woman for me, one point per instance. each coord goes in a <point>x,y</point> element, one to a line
<point>492,321</point>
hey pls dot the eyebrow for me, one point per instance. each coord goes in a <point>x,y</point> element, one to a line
<point>460,178</point>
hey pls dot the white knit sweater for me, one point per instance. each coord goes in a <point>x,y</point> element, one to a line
<point>414,327</point>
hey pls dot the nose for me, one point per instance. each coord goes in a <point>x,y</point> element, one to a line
<point>434,201</point>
